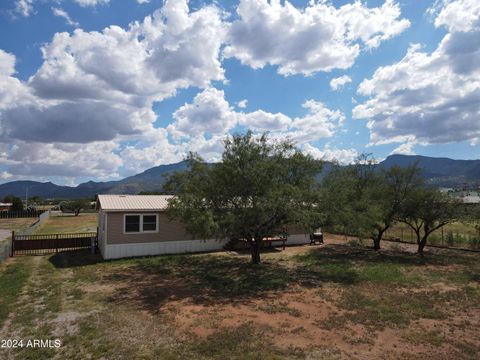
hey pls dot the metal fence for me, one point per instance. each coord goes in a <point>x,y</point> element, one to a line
<point>20,214</point>
<point>49,243</point>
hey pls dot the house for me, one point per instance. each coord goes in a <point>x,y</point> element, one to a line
<point>137,225</point>
<point>5,206</point>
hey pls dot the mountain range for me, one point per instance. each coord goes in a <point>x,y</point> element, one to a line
<point>440,172</point>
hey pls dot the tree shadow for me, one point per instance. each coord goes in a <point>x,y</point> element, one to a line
<point>69,259</point>
<point>339,253</point>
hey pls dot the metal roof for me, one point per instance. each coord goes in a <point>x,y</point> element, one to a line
<point>133,202</point>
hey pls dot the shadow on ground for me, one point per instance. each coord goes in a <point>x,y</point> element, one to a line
<point>210,279</point>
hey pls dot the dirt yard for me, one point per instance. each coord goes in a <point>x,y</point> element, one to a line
<point>335,301</point>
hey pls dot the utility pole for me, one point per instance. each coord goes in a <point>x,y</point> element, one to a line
<point>26,197</point>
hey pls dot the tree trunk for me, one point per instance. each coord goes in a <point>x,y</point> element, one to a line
<point>255,248</point>
<point>377,239</point>
<point>421,245</point>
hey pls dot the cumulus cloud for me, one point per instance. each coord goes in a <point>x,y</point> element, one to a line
<point>12,90</point>
<point>242,104</point>
<point>432,98</point>
<point>404,149</point>
<point>63,14</point>
<point>343,156</point>
<point>98,87</point>
<point>456,15</point>
<point>209,113</point>
<point>319,37</point>
<point>338,83</point>
<point>96,159</point>
<point>92,3</point>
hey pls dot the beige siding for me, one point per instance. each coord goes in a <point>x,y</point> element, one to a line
<point>167,230</point>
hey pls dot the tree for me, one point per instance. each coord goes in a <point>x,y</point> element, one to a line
<point>258,189</point>
<point>364,199</point>
<point>17,204</point>
<point>388,196</point>
<point>75,206</point>
<point>426,210</point>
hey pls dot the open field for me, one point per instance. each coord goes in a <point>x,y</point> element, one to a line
<point>17,224</point>
<point>67,223</point>
<point>457,234</point>
<point>337,301</point>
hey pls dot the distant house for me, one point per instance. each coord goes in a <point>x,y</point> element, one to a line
<point>137,225</point>
<point>5,206</point>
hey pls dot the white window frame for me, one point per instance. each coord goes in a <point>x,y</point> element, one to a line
<point>141,223</point>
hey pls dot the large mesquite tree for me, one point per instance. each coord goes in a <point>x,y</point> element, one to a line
<point>259,188</point>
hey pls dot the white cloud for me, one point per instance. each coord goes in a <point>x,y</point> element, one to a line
<point>304,41</point>
<point>31,159</point>
<point>143,1</point>
<point>24,7</point>
<point>92,3</point>
<point>338,83</point>
<point>433,98</point>
<point>12,91</point>
<point>404,149</point>
<point>209,113</point>
<point>456,15</point>
<point>63,14</point>
<point>242,104</point>
<point>343,156</point>
<point>92,97</point>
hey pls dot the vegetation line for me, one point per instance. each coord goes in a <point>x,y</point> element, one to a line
<point>12,280</point>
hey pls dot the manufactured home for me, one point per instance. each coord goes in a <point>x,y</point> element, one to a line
<point>137,225</point>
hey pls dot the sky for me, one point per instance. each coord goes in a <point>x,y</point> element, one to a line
<point>103,89</point>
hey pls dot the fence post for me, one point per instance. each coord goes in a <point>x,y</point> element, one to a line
<point>12,248</point>
<point>56,244</point>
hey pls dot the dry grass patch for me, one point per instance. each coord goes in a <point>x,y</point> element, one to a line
<point>68,223</point>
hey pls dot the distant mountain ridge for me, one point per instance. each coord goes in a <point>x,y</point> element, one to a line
<point>440,172</point>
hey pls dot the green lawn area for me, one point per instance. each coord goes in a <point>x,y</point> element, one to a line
<point>457,234</point>
<point>67,223</point>
<point>335,301</point>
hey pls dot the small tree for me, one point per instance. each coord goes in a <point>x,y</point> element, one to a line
<point>257,189</point>
<point>365,199</point>
<point>75,206</point>
<point>427,210</point>
<point>17,204</point>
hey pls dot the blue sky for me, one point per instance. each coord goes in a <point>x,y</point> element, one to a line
<point>102,89</point>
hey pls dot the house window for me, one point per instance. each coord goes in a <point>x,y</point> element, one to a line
<point>149,223</point>
<point>132,223</point>
<point>140,223</point>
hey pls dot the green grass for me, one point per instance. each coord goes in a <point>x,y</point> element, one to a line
<point>13,277</point>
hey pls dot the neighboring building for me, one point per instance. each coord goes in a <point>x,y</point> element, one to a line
<point>5,206</point>
<point>471,198</point>
<point>137,225</point>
